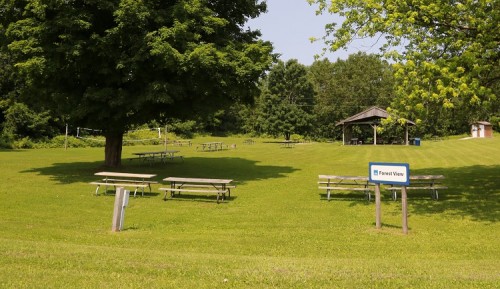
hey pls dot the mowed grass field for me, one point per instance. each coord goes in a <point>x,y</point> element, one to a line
<point>276,231</point>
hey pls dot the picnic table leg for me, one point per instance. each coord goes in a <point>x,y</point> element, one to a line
<point>97,190</point>
<point>434,194</point>
<point>394,194</point>
<point>368,193</point>
<point>328,195</point>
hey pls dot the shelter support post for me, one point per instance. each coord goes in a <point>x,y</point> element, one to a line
<point>343,134</point>
<point>406,134</point>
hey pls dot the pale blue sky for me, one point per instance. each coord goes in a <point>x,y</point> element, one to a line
<point>289,24</point>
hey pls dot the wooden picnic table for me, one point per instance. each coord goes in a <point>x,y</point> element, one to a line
<point>182,142</point>
<point>422,182</point>
<point>212,146</point>
<point>287,144</point>
<point>161,156</point>
<point>345,183</point>
<point>198,185</point>
<point>116,179</point>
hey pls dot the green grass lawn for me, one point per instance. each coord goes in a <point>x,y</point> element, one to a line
<point>276,231</point>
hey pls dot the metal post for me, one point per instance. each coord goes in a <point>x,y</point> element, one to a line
<point>166,139</point>
<point>66,138</point>
<point>118,208</point>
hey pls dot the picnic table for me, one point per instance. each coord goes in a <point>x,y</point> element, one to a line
<point>212,146</point>
<point>198,185</point>
<point>431,183</point>
<point>182,142</point>
<point>161,156</point>
<point>345,183</point>
<point>287,144</point>
<point>124,180</point>
<point>355,141</point>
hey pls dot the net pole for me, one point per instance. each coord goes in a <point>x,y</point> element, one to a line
<point>166,131</point>
<point>66,138</point>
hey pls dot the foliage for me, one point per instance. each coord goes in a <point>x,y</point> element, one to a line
<point>21,122</point>
<point>112,64</point>
<point>346,87</point>
<point>183,128</point>
<point>450,59</point>
<point>287,100</point>
<point>275,231</point>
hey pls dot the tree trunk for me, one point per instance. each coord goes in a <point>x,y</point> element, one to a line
<point>113,150</point>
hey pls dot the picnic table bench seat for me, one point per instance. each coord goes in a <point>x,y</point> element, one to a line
<point>221,194</point>
<point>123,184</point>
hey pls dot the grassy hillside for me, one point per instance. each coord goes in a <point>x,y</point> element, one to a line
<point>276,231</point>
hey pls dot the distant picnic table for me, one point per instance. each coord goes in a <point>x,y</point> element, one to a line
<point>160,156</point>
<point>287,144</point>
<point>212,146</point>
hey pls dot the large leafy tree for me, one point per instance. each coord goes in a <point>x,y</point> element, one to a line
<point>449,56</point>
<point>287,100</point>
<point>110,64</point>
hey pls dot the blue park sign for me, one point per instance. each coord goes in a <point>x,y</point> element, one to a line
<point>389,173</point>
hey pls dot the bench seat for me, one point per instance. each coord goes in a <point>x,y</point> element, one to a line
<point>433,189</point>
<point>220,193</point>
<point>219,187</point>
<point>123,184</point>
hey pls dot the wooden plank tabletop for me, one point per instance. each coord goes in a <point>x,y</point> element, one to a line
<point>197,180</point>
<point>357,178</point>
<point>426,177</point>
<point>156,153</point>
<point>125,175</point>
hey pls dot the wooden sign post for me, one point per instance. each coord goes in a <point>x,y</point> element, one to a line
<point>378,209</point>
<point>393,174</point>
<point>404,209</point>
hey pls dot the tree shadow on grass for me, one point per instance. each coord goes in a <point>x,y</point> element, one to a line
<point>238,169</point>
<point>472,192</point>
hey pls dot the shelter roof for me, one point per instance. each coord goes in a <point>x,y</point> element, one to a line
<point>482,122</point>
<point>371,115</point>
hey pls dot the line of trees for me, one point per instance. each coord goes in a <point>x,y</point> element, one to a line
<point>117,64</point>
<point>293,99</point>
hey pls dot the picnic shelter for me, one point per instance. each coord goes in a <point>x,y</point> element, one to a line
<point>372,117</point>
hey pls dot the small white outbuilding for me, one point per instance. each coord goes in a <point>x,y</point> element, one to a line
<point>482,129</point>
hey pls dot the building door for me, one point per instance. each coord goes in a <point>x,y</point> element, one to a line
<point>481,130</point>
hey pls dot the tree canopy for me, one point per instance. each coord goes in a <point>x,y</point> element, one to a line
<point>111,64</point>
<point>346,87</point>
<point>287,100</point>
<point>449,55</point>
